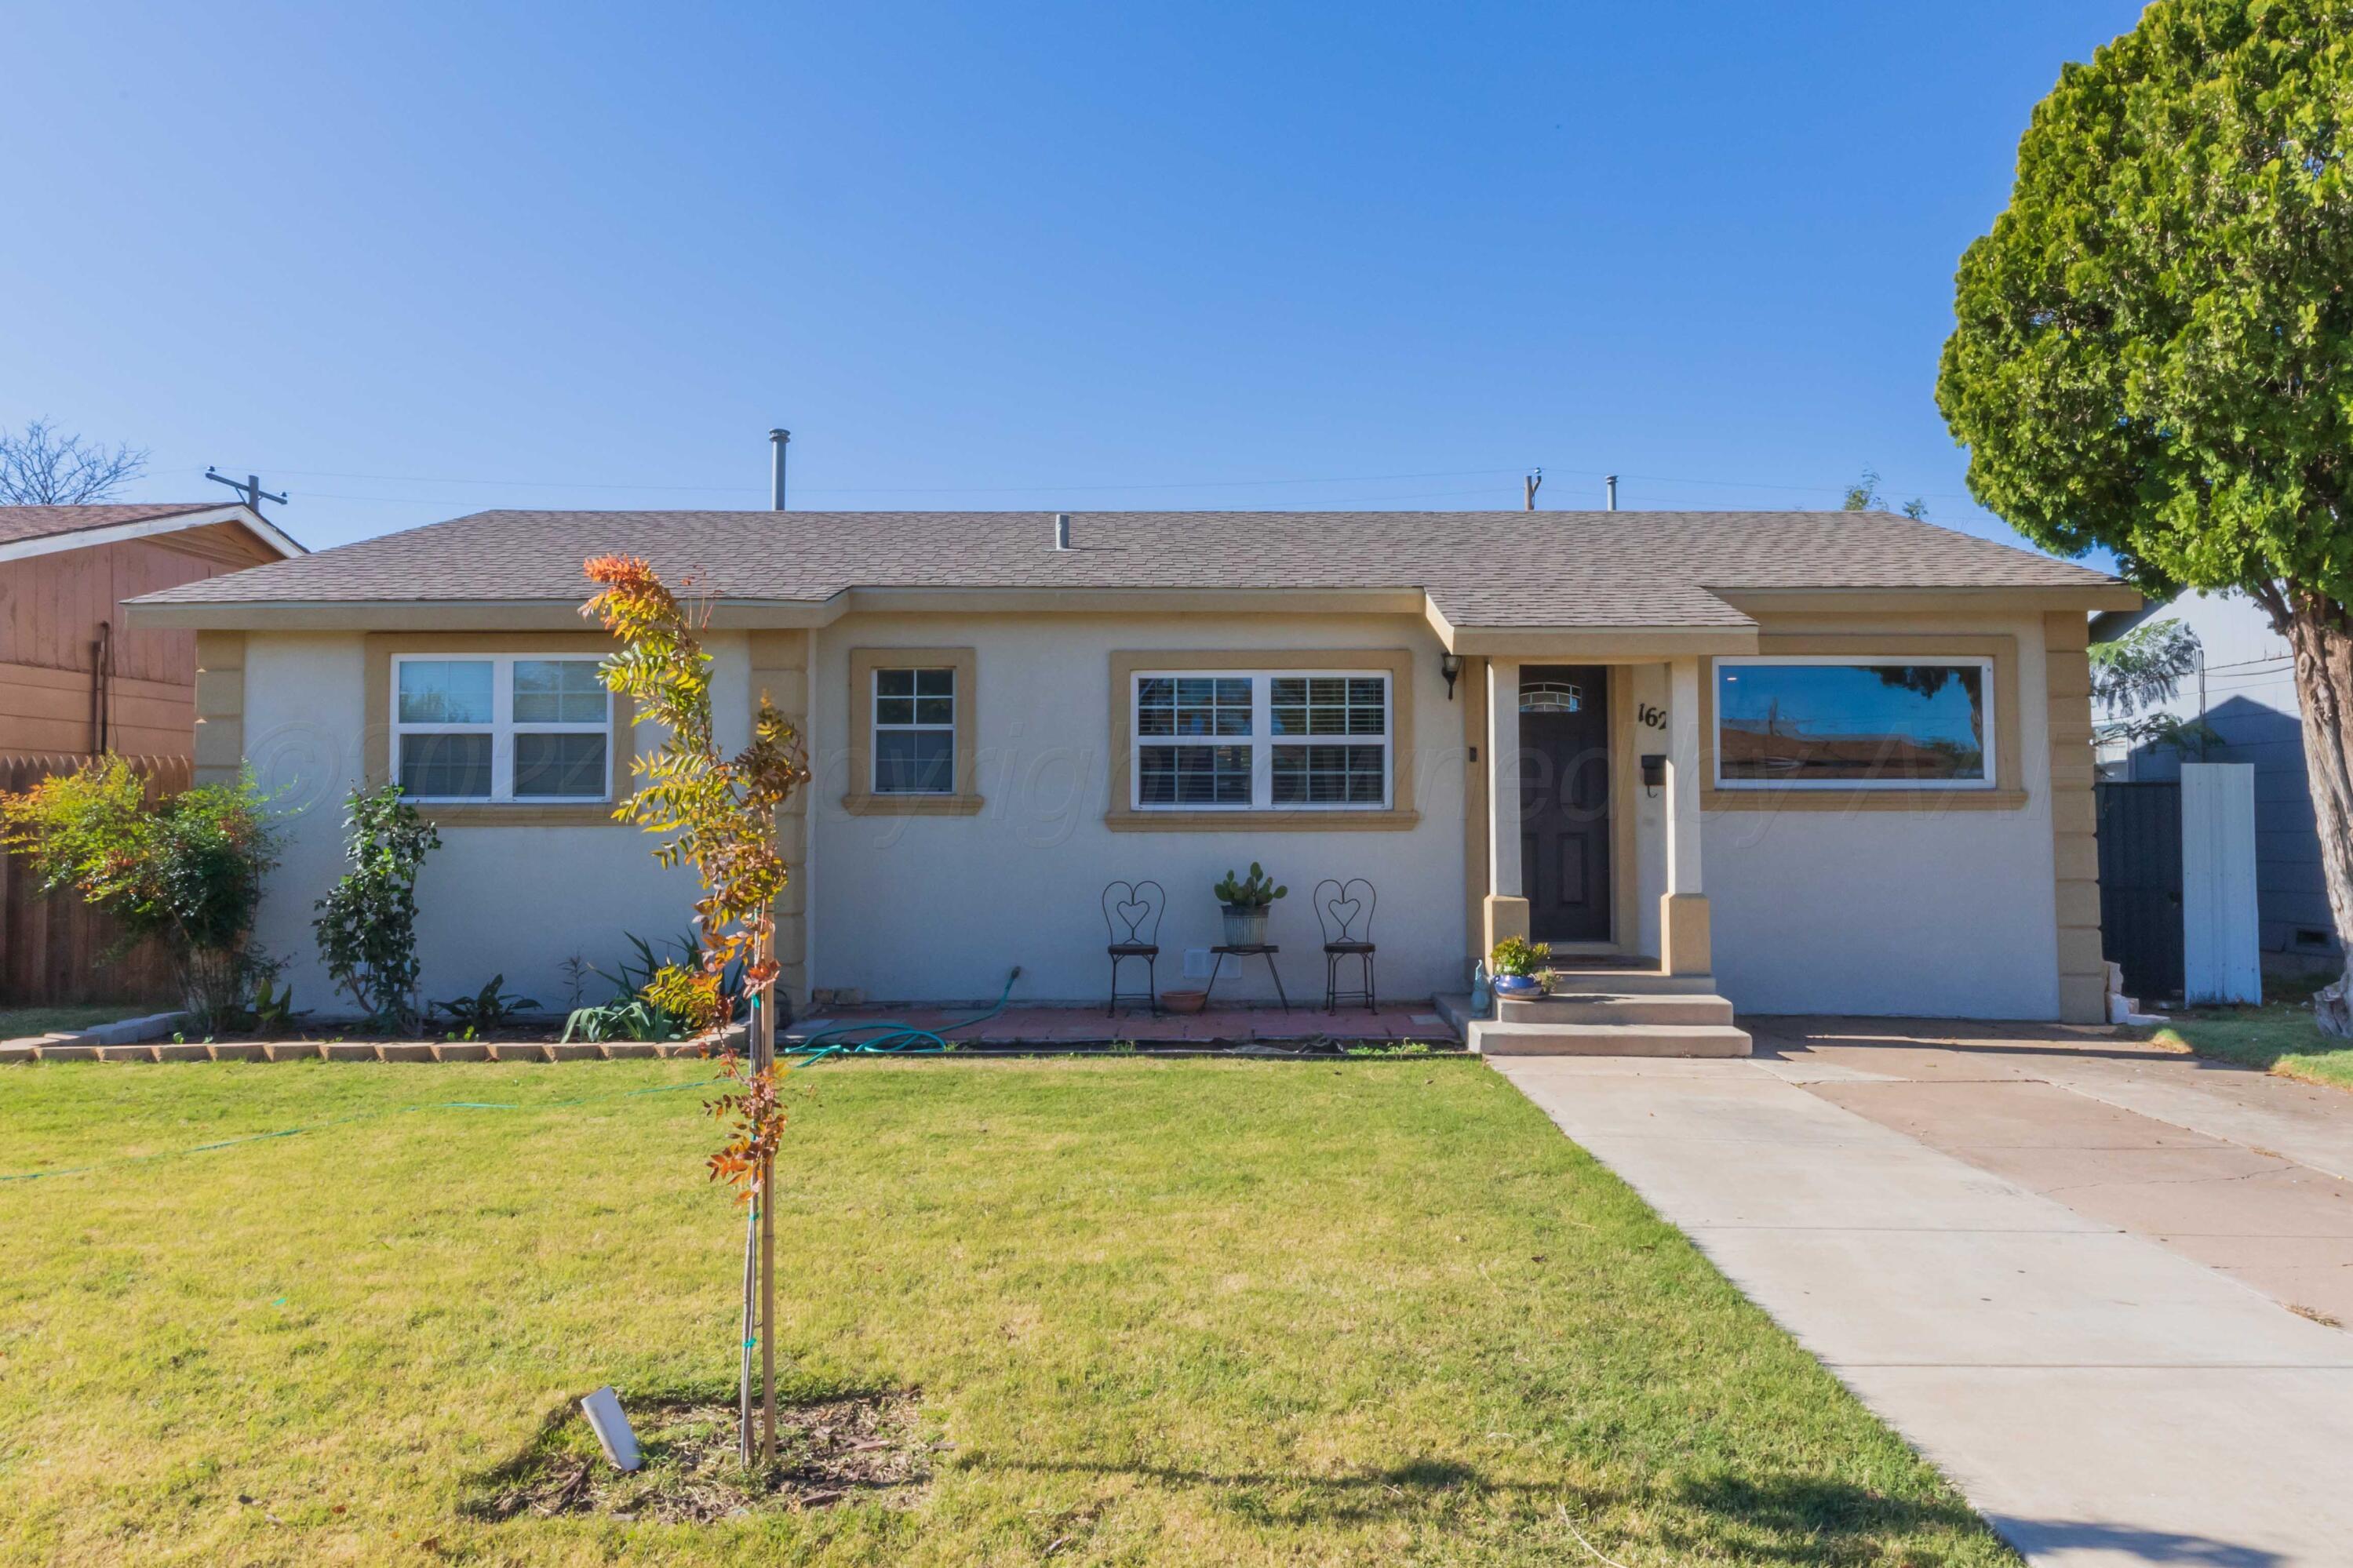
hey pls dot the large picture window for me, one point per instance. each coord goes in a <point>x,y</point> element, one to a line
<point>1794,722</point>
<point>501,727</point>
<point>1245,741</point>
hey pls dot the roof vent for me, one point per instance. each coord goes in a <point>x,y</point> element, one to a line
<point>1061,531</point>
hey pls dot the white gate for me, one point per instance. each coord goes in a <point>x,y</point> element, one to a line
<point>2220,937</point>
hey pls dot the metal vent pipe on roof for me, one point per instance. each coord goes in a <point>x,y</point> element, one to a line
<point>1061,531</point>
<point>1612,482</point>
<point>777,441</point>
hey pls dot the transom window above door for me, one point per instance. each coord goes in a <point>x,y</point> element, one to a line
<point>501,727</point>
<point>1258,740</point>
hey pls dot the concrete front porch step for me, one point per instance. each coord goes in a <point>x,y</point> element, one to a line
<point>1569,980</point>
<point>1607,1007</point>
<point>1549,1036</point>
<point>1496,1038</point>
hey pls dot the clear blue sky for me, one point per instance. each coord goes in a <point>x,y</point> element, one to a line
<point>414,261</point>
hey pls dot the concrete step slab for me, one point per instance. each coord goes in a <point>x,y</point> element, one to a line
<point>1500,1038</point>
<point>1629,983</point>
<point>1618,1007</point>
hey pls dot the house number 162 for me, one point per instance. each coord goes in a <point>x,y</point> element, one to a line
<point>1651,717</point>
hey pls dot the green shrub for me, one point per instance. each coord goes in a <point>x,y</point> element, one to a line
<point>1518,955</point>
<point>492,1007</point>
<point>367,922</point>
<point>655,998</point>
<point>185,869</point>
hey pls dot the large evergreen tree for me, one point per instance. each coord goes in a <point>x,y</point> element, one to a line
<point>2154,347</point>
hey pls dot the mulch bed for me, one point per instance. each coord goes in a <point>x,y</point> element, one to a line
<point>863,1446</point>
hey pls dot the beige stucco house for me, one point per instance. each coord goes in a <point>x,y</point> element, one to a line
<point>1829,761</point>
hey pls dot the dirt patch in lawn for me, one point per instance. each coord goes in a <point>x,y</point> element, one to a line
<point>863,1446</point>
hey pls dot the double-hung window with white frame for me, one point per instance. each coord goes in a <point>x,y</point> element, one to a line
<point>914,732</point>
<point>1261,740</point>
<point>500,727</point>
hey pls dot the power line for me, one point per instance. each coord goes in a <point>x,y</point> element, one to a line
<point>909,489</point>
<point>1053,489</point>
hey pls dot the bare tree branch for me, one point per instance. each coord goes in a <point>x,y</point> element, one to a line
<point>41,467</point>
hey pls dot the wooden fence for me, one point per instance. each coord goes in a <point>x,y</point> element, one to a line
<point>50,947</point>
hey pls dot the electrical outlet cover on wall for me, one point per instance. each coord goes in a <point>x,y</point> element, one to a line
<point>1197,964</point>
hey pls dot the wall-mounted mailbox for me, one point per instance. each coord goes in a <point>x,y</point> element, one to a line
<point>1654,770</point>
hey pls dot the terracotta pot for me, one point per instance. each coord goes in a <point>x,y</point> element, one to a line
<point>1183,1001</point>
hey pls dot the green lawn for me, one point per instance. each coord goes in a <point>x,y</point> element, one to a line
<point>1369,1311</point>
<point>18,1022</point>
<point>2278,1036</point>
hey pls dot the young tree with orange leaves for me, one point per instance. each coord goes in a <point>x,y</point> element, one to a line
<point>719,815</point>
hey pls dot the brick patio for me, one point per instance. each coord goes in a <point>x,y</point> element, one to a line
<point>1218,1026</point>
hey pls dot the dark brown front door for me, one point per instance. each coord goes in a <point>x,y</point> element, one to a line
<point>1565,801</point>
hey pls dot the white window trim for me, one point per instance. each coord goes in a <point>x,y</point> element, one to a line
<point>501,728</point>
<point>1261,741</point>
<point>1984,665</point>
<point>874,749</point>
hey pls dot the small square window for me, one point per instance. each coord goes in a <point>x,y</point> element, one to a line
<point>558,692</point>
<point>914,762</point>
<point>563,766</point>
<point>445,691</point>
<point>446,767</point>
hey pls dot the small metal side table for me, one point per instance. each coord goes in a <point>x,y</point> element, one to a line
<point>1265,950</point>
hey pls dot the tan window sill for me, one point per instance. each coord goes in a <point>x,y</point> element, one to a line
<point>1927,800</point>
<point>1260,821</point>
<point>912,805</point>
<point>502,813</point>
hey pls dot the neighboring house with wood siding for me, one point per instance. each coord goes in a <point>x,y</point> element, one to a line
<point>1818,762</point>
<point>74,679</point>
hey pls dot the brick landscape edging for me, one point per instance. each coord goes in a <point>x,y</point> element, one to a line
<point>125,1041</point>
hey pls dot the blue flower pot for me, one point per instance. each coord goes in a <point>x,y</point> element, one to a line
<point>1518,987</point>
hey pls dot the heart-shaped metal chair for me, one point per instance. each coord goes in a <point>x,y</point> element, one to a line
<point>1132,915</point>
<point>1344,909</point>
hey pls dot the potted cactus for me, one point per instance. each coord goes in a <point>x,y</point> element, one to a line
<point>1246,900</point>
<point>1517,964</point>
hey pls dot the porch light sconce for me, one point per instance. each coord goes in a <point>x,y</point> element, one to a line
<point>1450,665</point>
<point>1654,772</point>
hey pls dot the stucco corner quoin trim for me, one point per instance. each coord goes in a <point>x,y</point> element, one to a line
<point>2008,790</point>
<point>861,800</point>
<point>2074,820</point>
<point>377,738</point>
<point>1400,814</point>
<point>220,706</point>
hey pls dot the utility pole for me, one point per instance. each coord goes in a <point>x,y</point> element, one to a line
<point>250,488</point>
<point>1531,484</point>
<point>2202,703</point>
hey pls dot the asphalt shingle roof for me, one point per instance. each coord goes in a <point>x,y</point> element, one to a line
<point>19,523</point>
<point>1487,568</point>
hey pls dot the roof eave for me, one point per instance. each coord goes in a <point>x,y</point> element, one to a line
<point>2094,595</point>
<point>252,521</point>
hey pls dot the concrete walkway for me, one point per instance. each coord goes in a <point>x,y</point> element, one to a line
<point>2089,1280</point>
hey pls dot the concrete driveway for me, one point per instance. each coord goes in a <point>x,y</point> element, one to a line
<point>2096,1283</point>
